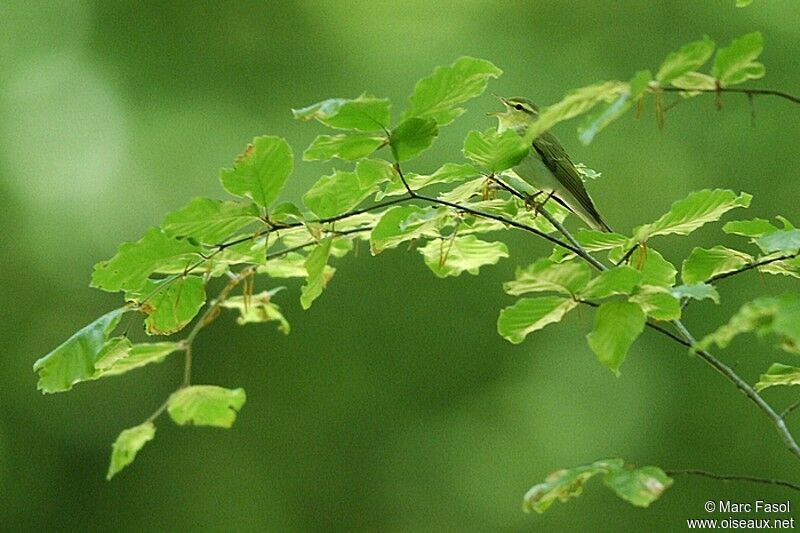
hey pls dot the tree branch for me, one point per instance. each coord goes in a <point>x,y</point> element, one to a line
<point>735,90</point>
<point>752,479</point>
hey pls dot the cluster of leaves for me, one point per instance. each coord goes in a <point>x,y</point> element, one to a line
<point>255,239</point>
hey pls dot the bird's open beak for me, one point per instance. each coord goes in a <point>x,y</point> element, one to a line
<point>493,114</point>
<point>497,113</point>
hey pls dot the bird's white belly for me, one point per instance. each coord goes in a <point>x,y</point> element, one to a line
<point>533,170</point>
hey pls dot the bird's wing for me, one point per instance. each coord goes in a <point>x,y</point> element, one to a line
<point>557,160</point>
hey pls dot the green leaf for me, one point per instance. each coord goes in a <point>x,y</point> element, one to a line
<point>736,63</point>
<point>291,265</point>
<point>258,308</point>
<point>567,278</point>
<point>134,262</point>
<point>640,486</point>
<point>658,303</point>
<point>757,227</point>
<point>365,113</point>
<point>655,269</point>
<point>692,212</point>
<point>127,445</point>
<point>565,484</point>
<point>616,325</point>
<point>261,171</point>
<point>619,280</point>
<point>73,361</point>
<point>697,291</point>
<point>404,223</point>
<point>171,308</point>
<point>347,146</point>
<point>411,137</point>
<point>531,314</point>
<point>209,221</point>
<point>205,405</point>
<point>315,266</point>
<point>695,81</point>
<point>703,264</point>
<point>608,112</point>
<point>743,3</point>
<point>336,194</point>
<point>439,95</point>
<point>495,151</point>
<point>768,314</point>
<point>778,374</point>
<point>451,257</point>
<point>573,104</point>
<point>136,356</point>
<point>780,241</point>
<point>595,241</point>
<point>374,172</point>
<point>447,173</point>
<point>690,57</point>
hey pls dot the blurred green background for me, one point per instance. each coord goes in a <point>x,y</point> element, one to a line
<point>393,405</point>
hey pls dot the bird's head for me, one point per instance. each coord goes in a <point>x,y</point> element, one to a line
<point>519,114</point>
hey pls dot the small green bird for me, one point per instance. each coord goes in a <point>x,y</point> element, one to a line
<point>548,167</point>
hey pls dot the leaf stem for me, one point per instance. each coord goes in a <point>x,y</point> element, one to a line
<point>719,477</point>
<point>749,92</point>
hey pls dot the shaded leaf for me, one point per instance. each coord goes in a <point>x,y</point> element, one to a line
<point>757,227</point>
<point>205,405</point>
<point>439,95</point>
<point>640,486</point>
<point>619,280</point>
<point>532,314</point>
<point>209,221</point>
<point>137,356</point>
<point>697,291</point>
<point>616,325</point>
<point>127,445</point>
<point>606,113</point>
<point>411,137</point>
<point>336,194</point>
<point>692,212</point>
<point>454,256</point>
<point>703,264</point>
<point>365,113</point>
<point>655,269</point>
<point>565,484</point>
<point>780,241</point>
<point>658,303</point>
<point>404,223</point>
<point>374,172</point>
<point>261,172</point>
<point>170,308</point>
<point>73,361</point>
<point>347,146</point>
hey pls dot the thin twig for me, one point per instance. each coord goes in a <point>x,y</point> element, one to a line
<point>749,92</point>
<point>789,410</point>
<point>751,266</point>
<point>719,477</point>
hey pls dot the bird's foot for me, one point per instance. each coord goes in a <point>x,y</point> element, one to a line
<point>531,202</point>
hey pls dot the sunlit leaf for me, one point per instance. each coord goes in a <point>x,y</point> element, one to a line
<point>135,261</point>
<point>736,63</point>
<point>439,95</point>
<point>412,136</point>
<point>447,173</point>
<point>696,291</point>
<point>137,356</point>
<point>619,280</point>
<point>757,227</point>
<point>658,303</point>
<point>315,266</point>
<point>205,405</point>
<point>495,151</point>
<point>703,264</point>
<point>778,374</point>
<point>451,257</point>
<point>209,221</point>
<point>575,103</point>
<point>606,113</point>
<point>261,171</point>
<point>532,314</point>
<point>695,81</point>
<point>73,361</point>
<point>127,445</point>
<point>595,241</point>
<point>365,113</point>
<point>567,278</point>
<point>347,146</point>
<point>375,172</point>
<point>404,223</point>
<point>690,57</point>
<point>616,325</point>
<point>336,194</point>
<point>692,212</point>
<point>170,308</point>
<point>655,269</point>
<point>258,308</point>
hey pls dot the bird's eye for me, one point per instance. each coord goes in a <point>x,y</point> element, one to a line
<point>519,107</point>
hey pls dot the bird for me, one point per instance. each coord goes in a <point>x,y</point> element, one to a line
<point>547,167</point>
